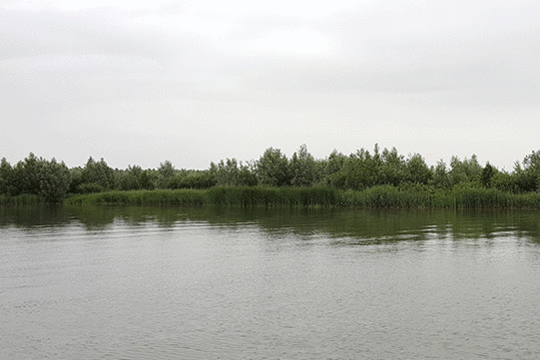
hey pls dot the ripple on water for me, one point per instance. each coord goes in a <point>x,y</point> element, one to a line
<point>324,287</point>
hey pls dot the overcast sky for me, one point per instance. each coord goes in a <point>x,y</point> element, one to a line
<point>141,82</point>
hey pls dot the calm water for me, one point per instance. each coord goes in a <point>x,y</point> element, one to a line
<point>177,283</point>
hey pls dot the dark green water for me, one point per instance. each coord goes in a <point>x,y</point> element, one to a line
<point>185,283</point>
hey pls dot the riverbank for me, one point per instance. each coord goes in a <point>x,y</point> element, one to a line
<point>413,197</point>
<point>24,199</point>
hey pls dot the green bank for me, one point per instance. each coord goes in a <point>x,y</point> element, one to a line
<point>377,197</point>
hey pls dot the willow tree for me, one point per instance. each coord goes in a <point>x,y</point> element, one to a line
<point>272,168</point>
<point>302,168</point>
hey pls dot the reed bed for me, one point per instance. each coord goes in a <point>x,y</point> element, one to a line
<point>273,196</point>
<point>377,197</point>
<point>24,199</point>
<point>184,197</point>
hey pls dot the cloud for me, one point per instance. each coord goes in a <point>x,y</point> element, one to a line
<point>237,76</point>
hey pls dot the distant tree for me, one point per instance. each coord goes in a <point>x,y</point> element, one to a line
<point>440,175</point>
<point>466,171</point>
<point>246,175</point>
<point>198,180</point>
<point>166,172</point>
<point>48,179</point>
<point>302,168</point>
<point>98,173</point>
<point>417,170</point>
<point>54,180</point>
<point>393,168</point>
<point>76,180</point>
<point>332,166</point>
<point>272,168</point>
<point>361,170</point>
<point>26,173</point>
<point>226,172</point>
<point>487,174</point>
<point>335,162</point>
<point>234,173</point>
<point>134,178</point>
<point>6,178</point>
<point>192,179</point>
<point>530,175</point>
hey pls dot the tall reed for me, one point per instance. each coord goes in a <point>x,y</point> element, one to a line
<point>24,199</point>
<point>380,197</point>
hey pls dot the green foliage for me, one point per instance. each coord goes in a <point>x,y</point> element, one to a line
<point>54,180</point>
<point>272,168</point>
<point>89,188</point>
<point>331,166</point>
<point>134,178</point>
<point>232,173</point>
<point>361,170</point>
<point>23,199</point>
<point>486,177</point>
<point>76,180</point>
<point>98,173</point>
<point>166,172</point>
<point>36,176</point>
<point>529,177</point>
<point>409,196</point>
<point>441,178</point>
<point>393,168</point>
<point>272,196</point>
<point>193,180</point>
<point>7,178</point>
<point>302,168</point>
<point>417,170</point>
<point>27,174</point>
<point>377,179</point>
<point>466,171</point>
<point>184,197</point>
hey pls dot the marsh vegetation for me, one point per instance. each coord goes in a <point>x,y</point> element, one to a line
<point>374,179</point>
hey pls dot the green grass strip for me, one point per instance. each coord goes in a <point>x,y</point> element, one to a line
<point>377,197</point>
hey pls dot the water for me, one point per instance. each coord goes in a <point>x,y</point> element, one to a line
<point>164,283</point>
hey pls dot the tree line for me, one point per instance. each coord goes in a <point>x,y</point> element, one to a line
<point>53,181</point>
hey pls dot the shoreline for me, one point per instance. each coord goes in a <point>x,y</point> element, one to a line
<point>377,197</point>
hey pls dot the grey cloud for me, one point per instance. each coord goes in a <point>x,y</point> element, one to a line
<point>399,63</point>
<point>82,33</point>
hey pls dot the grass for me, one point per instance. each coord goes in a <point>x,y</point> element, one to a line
<point>377,197</point>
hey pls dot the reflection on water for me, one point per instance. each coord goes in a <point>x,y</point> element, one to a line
<point>369,225</point>
<point>220,283</point>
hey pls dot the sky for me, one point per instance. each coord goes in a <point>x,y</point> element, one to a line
<point>194,82</point>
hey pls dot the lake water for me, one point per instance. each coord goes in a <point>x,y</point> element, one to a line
<point>187,283</point>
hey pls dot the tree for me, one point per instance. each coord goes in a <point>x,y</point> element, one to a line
<point>133,178</point>
<point>531,172</point>
<point>272,168</point>
<point>417,170</point>
<point>440,175</point>
<point>26,174</point>
<point>166,172</point>
<point>54,180</point>
<point>226,172</point>
<point>361,170</point>
<point>332,166</point>
<point>302,168</point>
<point>246,175</point>
<point>487,175</point>
<point>6,178</point>
<point>98,173</point>
<point>466,171</point>
<point>393,169</point>
<point>48,179</point>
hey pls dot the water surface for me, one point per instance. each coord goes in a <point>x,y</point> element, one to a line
<point>188,283</point>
